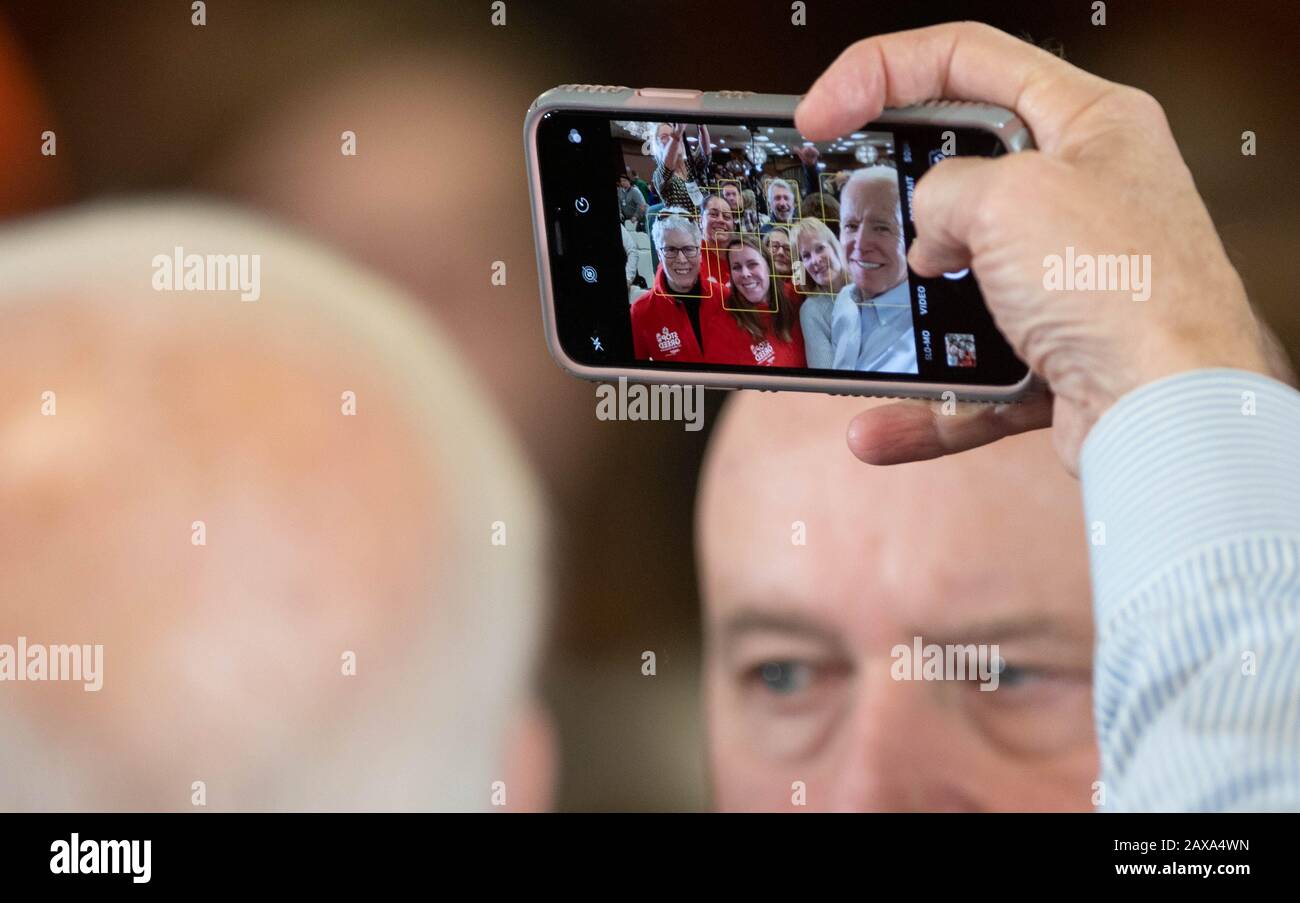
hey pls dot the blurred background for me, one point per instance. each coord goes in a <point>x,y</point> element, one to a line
<point>250,106</point>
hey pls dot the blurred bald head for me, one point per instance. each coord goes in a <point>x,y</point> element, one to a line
<point>238,500</point>
<point>815,567</point>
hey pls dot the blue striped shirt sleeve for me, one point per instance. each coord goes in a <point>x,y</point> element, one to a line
<point>1191,490</point>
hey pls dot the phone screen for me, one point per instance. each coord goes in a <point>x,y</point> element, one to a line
<point>737,246</point>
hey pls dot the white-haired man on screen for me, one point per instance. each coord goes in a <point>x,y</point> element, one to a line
<point>304,542</point>
<point>871,321</point>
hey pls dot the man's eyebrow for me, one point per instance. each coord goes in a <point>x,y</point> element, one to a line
<point>1002,629</point>
<point>754,620</point>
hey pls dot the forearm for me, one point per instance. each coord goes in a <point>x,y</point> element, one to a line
<point>809,177</point>
<point>1192,500</point>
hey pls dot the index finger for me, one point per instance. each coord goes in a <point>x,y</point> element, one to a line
<point>955,61</point>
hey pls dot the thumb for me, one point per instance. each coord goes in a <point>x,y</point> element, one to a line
<point>918,431</point>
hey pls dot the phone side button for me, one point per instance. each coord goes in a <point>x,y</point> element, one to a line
<point>669,93</point>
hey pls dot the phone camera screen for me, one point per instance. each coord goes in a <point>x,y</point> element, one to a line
<point>739,246</point>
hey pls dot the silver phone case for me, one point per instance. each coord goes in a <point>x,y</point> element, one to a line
<point>663,103</point>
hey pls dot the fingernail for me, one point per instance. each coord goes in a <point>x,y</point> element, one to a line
<point>853,434</point>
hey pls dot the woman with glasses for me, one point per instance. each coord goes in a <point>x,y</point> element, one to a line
<point>666,322</point>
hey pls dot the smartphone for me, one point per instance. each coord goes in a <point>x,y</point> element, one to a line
<point>688,237</point>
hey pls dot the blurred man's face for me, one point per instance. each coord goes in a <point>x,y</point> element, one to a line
<point>281,572</point>
<point>782,203</point>
<point>718,222</point>
<point>811,581</point>
<point>778,248</point>
<point>624,183</point>
<point>871,231</point>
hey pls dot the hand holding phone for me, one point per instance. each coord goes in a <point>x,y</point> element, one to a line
<point>1107,183</point>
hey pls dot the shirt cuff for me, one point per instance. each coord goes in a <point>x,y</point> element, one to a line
<point>1180,464</point>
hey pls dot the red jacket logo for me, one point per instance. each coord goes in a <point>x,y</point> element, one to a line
<point>669,343</point>
<point>763,352</point>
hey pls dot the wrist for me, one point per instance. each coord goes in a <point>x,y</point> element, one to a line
<point>1235,348</point>
<point>1089,385</point>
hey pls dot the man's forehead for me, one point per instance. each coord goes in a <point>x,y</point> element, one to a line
<point>866,196</point>
<point>797,523</point>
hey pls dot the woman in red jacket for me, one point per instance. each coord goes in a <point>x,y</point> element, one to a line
<point>668,321</point>
<point>755,323</point>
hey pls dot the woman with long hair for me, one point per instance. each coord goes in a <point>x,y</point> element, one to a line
<point>819,275</point>
<point>756,323</point>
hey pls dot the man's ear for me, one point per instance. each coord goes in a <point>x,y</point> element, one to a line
<point>531,754</point>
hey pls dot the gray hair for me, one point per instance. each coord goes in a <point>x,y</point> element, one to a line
<point>870,174</point>
<point>674,218</point>
<point>778,183</point>
<point>429,727</point>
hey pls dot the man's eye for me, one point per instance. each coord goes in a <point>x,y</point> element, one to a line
<point>1013,676</point>
<point>785,678</point>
